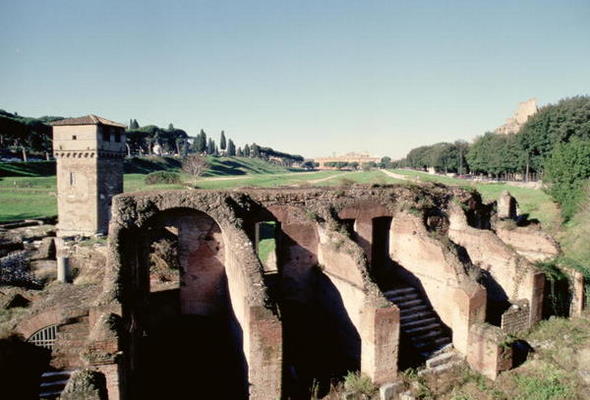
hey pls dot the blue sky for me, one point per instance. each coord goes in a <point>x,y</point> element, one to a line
<point>308,77</point>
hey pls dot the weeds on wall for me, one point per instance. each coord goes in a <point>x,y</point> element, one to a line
<point>360,385</point>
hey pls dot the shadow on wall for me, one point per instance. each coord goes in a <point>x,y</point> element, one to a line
<point>321,344</point>
<point>190,343</point>
<point>21,366</point>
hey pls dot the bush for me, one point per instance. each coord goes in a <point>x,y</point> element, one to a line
<point>360,385</point>
<point>162,177</point>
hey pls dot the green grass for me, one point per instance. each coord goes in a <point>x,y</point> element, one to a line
<point>34,196</point>
<point>534,202</point>
<point>550,384</point>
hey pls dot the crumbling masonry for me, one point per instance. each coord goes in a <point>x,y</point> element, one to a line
<point>324,309</point>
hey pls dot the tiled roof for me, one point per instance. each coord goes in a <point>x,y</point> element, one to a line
<point>87,120</point>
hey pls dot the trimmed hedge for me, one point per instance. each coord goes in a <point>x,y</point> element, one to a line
<point>162,177</point>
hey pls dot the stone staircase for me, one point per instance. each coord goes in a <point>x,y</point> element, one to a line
<point>420,324</point>
<point>53,383</point>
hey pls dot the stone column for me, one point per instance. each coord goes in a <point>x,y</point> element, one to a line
<point>379,343</point>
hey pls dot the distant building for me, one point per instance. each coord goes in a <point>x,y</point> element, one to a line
<point>525,110</point>
<point>360,158</point>
<point>89,152</point>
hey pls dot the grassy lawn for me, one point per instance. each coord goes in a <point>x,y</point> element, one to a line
<point>34,197</point>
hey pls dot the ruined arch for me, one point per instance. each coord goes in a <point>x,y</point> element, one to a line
<point>237,281</point>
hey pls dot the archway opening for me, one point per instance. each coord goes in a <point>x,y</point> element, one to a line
<point>191,342</point>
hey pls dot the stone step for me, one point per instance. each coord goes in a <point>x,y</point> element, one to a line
<point>395,292</point>
<point>409,303</point>
<point>416,315</point>
<point>440,359</point>
<point>439,369</point>
<point>429,347</point>
<point>50,394</point>
<point>433,334</point>
<point>444,349</point>
<point>397,299</point>
<point>431,327</point>
<point>406,311</point>
<point>52,383</point>
<point>418,322</point>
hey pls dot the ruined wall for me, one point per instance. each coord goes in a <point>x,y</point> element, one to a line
<point>516,277</point>
<point>437,272</point>
<point>528,241</point>
<point>374,334</point>
<point>297,252</point>
<point>489,350</point>
<point>318,262</point>
<point>126,282</point>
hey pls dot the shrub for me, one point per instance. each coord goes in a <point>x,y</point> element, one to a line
<point>162,177</point>
<point>359,384</point>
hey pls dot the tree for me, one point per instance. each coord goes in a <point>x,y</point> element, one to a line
<point>195,165</point>
<point>170,126</point>
<point>211,146</point>
<point>202,142</point>
<point>566,171</point>
<point>385,162</point>
<point>133,124</point>
<point>222,143</point>
<point>239,152</point>
<point>246,151</point>
<point>554,124</point>
<point>231,148</point>
<point>255,150</point>
<point>462,148</point>
<point>308,164</point>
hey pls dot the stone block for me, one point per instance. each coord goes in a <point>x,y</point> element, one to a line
<point>389,391</point>
<point>406,396</point>
<point>516,318</point>
<point>46,250</point>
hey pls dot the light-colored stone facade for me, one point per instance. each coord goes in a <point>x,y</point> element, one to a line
<point>89,153</point>
<point>513,124</point>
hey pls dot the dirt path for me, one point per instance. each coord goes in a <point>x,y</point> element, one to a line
<point>250,176</point>
<point>396,176</point>
<point>327,178</point>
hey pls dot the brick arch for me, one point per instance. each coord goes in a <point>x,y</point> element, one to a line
<point>55,316</point>
<point>257,326</point>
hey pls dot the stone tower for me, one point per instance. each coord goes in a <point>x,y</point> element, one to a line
<point>89,152</point>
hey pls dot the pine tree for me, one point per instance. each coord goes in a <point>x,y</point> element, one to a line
<point>170,126</point>
<point>211,146</point>
<point>231,148</point>
<point>246,151</point>
<point>133,124</point>
<point>202,140</point>
<point>222,144</point>
<point>239,152</point>
<point>255,150</point>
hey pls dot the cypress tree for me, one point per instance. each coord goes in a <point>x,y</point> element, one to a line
<point>222,143</point>
<point>231,148</point>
